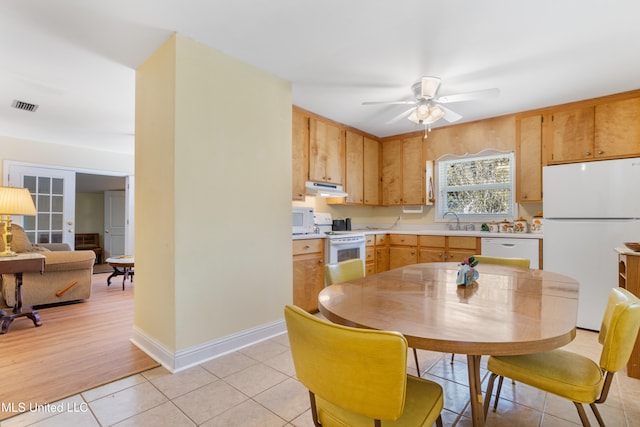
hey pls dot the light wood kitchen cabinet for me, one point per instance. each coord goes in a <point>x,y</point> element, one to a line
<point>403,172</point>
<point>371,172</point>
<point>392,172</point>
<point>447,248</point>
<point>617,128</point>
<point>300,154</point>
<point>413,172</point>
<point>362,170</point>
<point>382,253</point>
<point>403,250</point>
<point>354,185</point>
<point>629,278</point>
<point>326,151</point>
<point>370,256</point>
<point>432,248</point>
<point>572,135</point>
<point>308,273</point>
<point>529,143</point>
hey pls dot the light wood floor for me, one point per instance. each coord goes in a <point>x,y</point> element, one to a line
<point>79,346</point>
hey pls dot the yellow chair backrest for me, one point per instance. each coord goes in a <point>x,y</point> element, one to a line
<point>619,329</point>
<point>360,370</point>
<point>344,271</point>
<point>515,262</point>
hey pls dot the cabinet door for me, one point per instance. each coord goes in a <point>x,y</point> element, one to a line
<point>572,135</point>
<point>371,172</point>
<point>399,256</point>
<point>413,172</point>
<point>529,159</point>
<point>300,154</point>
<point>354,167</point>
<point>382,259</point>
<point>431,255</point>
<point>457,255</point>
<point>308,281</point>
<point>326,152</point>
<point>391,172</point>
<point>617,128</point>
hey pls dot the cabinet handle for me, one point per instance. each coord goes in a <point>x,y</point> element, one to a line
<point>587,153</point>
<point>413,252</point>
<point>307,247</point>
<point>600,152</point>
<point>524,196</point>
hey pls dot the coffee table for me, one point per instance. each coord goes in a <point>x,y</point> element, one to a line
<point>122,266</point>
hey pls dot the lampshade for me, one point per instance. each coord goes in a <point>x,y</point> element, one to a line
<point>426,114</point>
<point>16,201</point>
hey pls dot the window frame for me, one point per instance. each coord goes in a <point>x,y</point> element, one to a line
<point>442,189</point>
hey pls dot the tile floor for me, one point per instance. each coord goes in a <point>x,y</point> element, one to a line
<point>256,386</point>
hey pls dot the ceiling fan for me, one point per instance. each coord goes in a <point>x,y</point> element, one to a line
<point>427,108</point>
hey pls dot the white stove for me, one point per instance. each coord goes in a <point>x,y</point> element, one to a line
<point>340,245</point>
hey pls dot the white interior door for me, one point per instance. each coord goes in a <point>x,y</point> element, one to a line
<point>114,223</point>
<point>53,192</point>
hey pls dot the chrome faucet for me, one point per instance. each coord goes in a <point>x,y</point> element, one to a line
<point>457,219</point>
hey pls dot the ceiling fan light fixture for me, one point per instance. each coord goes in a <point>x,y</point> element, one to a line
<point>426,114</point>
<point>429,87</point>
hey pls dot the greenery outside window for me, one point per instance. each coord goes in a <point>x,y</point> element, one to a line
<point>478,187</point>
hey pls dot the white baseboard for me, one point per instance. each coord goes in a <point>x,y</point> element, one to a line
<point>176,361</point>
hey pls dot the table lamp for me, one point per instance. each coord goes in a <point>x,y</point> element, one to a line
<point>13,201</point>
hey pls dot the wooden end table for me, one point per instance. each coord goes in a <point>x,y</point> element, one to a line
<point>17,265</point>
<point>122,266</point>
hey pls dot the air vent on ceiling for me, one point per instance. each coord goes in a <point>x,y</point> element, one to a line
<point>21,105</point>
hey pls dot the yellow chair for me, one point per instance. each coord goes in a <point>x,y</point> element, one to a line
<point>358,377</point>
<point>349,270</point>
<point>514,262</point>
<point>344,271</point>
<point>571,375</point>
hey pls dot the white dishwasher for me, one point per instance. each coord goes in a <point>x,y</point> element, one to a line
<point>512,248</point>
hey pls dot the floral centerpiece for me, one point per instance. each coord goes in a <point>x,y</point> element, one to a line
<point>467,274</point>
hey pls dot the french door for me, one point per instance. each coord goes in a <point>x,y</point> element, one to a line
<point>53,192</point>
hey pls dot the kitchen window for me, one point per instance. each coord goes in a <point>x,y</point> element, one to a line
<point>478,187</point>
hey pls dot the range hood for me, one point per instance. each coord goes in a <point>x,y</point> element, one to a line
<point>322,189</point>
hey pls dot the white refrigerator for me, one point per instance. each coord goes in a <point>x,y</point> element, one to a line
<point>590,209</point>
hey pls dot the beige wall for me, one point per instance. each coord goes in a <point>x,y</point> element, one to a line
<point>213,149</point>
<point>90,213</point>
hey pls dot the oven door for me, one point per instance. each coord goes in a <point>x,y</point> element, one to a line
<point>343,251</point>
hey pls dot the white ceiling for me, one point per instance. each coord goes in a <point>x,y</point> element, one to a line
<point>76,59</point>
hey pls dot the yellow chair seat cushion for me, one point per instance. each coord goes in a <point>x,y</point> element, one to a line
<point>560,372</point>
<point>423,404</point>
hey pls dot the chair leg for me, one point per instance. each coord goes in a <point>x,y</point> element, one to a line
<point>415,356</point>
<point>495,404</point>
<point>594,408</point>
<point>487,398</point>
<point>582,414</point>
<point>439,421</point>
<point>452,356</point>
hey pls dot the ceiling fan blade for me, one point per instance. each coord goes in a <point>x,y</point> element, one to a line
<point>469,96</point>
<point>400,116</point>
<point>450,116</point>
<point>389,103</point>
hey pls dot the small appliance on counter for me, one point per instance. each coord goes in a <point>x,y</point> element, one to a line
<point>302,220</point>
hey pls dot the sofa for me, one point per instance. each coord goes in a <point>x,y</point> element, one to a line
<point>62,268</point>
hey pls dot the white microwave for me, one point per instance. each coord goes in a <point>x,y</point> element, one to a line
<point>302,220</point>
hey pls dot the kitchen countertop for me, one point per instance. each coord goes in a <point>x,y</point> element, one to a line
<point>431,232</point>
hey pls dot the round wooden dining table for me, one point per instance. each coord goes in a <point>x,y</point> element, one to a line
<point>508,310</point>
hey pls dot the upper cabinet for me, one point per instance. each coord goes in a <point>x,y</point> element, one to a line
<point>617,128</point>
<point>403,172</point>
<point>529,133</point>
<point>326,151</point>
<point>604,128</point>
<point>362,169</point>
<point>300,154</point>
<point>572,135</point>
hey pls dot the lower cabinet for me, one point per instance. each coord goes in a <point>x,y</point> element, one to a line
<point>308,273</point>
<point>403,250</point>
<point>447,248</point>
<point>629,278</point>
